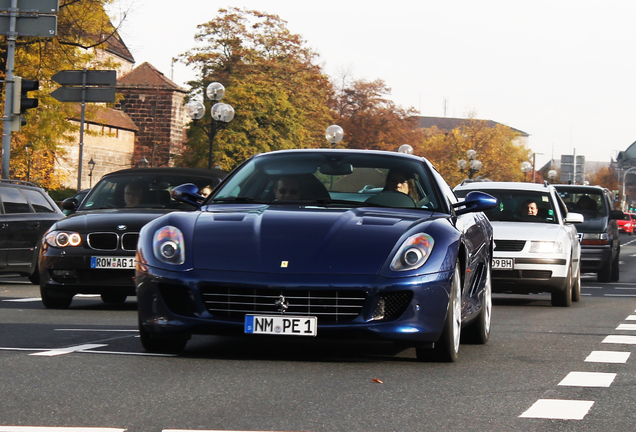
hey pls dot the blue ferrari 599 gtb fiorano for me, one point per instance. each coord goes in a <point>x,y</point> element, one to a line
<point>326,243</point>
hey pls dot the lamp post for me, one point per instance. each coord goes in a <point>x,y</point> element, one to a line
<point>91,167</point>
<point>405,148</point>
<point>28,147</point>
<point>143,162</point>
<point>473,164</point>
<point>526,167</point>
<point>552,175</point>
<point>221,114</point>
<point>623,201</point>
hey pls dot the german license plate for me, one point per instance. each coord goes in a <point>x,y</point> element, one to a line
<point>281,325</point>
<point>503,263</point>
<point>112,262</point>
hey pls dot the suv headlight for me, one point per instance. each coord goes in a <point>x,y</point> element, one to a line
<point>546,247</point>
<point>413,253</point>
<point>63,239</point>
<point>168,245</point>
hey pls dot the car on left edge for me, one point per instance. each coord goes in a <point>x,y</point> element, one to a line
<point>26,212</point>
<point>92,251</point>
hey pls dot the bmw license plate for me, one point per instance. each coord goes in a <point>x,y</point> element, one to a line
<point>281,325</point>
<point>502,263</point>
<point>112,262</point>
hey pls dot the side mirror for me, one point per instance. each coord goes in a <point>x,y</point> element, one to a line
<point>574,218</point>
<point>70,204</point>
<point>475,201</point>
<point>616,214</point>
<point>187,193</point>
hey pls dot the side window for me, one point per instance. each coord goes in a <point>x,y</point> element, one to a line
<point>14,201</point>
<point>38,201</point>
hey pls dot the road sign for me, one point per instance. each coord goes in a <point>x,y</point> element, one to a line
<point>32,25</point>
<point>33,6</point>
<point>93,94</point>
<point>93,77</point>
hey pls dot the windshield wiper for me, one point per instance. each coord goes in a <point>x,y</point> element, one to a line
<point>247,200</point>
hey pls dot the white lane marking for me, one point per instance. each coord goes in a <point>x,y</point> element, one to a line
<point>631,318</point>
<point>620,295</point>
<point>87,295</point>
<point>617,339</point>
<point>608,357</point>
<point>626,327</point>
<point>56,429</point>
<point>98,330</point>
<point>558,409</point>
<point>62,351</point>
<point>588,379</point>
<point>24,300</point>
<point>130,353</point>
<point>621,288</point>
<point>591,287</point>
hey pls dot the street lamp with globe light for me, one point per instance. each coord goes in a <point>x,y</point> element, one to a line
<point>221,114</point>
<point>334,134</point>
<point>91,167</point>
<point>552,175</point>
<point>473,164</point>
<point>526,167</point>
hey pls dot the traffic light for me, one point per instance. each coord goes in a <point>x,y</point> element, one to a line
<point>21,100</point>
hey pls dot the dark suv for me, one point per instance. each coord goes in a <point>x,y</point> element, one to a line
<point>600,245</point>
<point>26,212</point>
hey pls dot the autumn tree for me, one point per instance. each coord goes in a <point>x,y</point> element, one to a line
<point>372,121</point>
<point>496,148</point>
<point>83,27</point>
<point>272,80</point>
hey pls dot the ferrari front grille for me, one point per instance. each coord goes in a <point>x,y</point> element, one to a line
<point>328,305</point>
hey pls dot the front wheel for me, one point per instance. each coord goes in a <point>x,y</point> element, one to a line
<point>479,331</point>
<point>563,298</point>
<point>576,288</point>
<point>615,276</point>
<point>446,349</point>
<point>164,345</point>
<point>54,299</point>
<point>114,298</point>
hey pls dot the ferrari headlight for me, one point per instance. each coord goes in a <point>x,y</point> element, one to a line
<point>63,239</point>
<point>167,245</point>
<point>413,253</point>
<point>546,247</point>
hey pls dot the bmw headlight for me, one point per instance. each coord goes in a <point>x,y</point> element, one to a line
<point>413,253</point>
<point>546,247</point>
<point>168,245</point>
<point>63,239</point>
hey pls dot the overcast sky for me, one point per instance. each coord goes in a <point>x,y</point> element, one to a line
<point>562,71</point>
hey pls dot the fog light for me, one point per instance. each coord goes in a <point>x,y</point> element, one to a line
<point>63,273</point>
<point>379,310</point>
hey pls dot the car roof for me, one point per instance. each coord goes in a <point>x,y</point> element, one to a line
<point>199,172</point>
<point>540,187</point>
<point>573,186</point>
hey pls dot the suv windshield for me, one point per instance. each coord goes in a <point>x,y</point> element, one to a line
<point>519,206</point>
<point>150,190</point>
<point>590,203</point>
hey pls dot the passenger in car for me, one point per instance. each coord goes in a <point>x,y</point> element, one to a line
<point>586,204</point>
<point>398,180</point>
<point>133,193</point>
<point>287,188</point>
<point>530,208</point>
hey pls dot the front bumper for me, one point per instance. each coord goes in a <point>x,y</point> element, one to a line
<point>593,258</point>
<point>69,270</point>
<point>531,273</point>
<point>171,304</point>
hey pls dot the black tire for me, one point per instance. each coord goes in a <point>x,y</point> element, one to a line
<point>615,275</point>
<point>54,299</point>
<point>478,332</point>
<point>563,298</point>
<point>446,349</point>
<point>114,298</point>
<point>162,345</point>
<point>576,287</point>
<point>35,276</point>
<point>605,273</point>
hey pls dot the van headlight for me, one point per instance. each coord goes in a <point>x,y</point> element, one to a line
<point>168,245</point>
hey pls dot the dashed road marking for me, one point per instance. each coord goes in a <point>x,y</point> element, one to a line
<point>608,357</point>
<point>618,339</point>
<point>558,409</point>
<point>57,429</point>
<point>68,350</point>
<point>626,327</point>
<point>588,379</point>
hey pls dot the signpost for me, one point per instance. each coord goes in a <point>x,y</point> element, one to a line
<point>75,88</point>
<point>35,18</point>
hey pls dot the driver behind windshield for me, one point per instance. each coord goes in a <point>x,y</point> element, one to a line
<point>287,188</point>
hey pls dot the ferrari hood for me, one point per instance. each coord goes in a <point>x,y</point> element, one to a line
<point>292,240</point>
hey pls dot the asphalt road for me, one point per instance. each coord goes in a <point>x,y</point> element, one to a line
<point>84,367</point>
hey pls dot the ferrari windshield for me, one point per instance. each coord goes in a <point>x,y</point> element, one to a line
<point>333,178</point>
